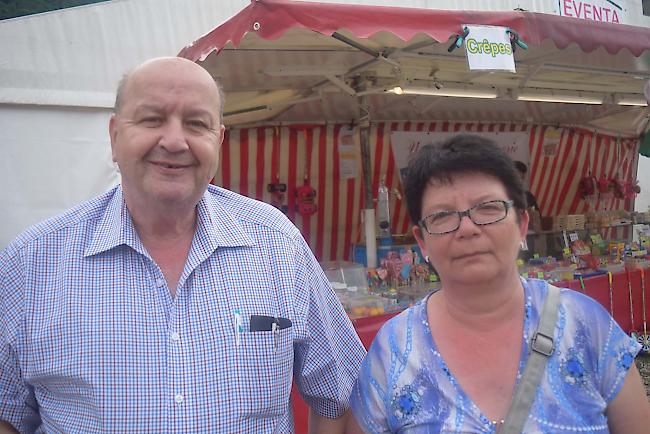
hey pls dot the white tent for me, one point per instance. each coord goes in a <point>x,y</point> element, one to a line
<point>58,75</point>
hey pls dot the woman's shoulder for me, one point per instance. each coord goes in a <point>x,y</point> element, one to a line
<point>582,321</point>
<point>398,331</point>
<point>407,316</point>
<point>569,298</point>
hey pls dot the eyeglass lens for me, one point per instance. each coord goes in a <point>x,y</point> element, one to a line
<point>481,214</point>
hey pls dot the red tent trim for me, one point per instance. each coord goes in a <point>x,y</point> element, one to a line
<point>270,19</point>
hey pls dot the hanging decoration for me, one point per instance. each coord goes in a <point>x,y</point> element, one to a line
<point>588,186</point>
<point>278,190</point>
<point>305,199</point>
<point>306,194</point>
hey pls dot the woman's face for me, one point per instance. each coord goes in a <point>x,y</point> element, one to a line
<point>472,254</point>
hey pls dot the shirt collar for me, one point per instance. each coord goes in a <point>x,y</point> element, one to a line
<point>216,227</point>
<point>219,225</point>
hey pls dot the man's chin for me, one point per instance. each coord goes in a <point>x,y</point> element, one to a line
<point>176,196</point>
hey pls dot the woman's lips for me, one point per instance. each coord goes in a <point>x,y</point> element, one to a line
<point>469,255</point>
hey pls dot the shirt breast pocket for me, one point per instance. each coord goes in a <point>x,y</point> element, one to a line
<point>265,371</point>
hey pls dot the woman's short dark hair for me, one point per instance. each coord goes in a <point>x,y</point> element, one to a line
<point>463,153</point>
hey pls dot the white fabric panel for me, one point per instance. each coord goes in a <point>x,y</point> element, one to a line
<point>79,54</point>
<point>53,155</point>
<point>52,159</point>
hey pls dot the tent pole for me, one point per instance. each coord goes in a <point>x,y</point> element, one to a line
<point>369,207</point>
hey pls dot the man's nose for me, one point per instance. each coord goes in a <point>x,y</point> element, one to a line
<point>173,137</point>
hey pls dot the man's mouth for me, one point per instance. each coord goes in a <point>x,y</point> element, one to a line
<point>169,165</point>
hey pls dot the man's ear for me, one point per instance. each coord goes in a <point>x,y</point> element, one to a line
<point>222,134</point>
<point>112,133</point>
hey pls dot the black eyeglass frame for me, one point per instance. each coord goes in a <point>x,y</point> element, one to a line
<point>506,203</point>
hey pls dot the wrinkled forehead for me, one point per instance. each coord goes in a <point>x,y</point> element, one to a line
<point>168,80</point>
<point>167,91</point>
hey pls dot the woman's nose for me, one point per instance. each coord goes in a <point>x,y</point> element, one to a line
<point>467,226</point>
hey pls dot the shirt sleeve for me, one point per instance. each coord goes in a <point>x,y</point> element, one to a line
<point>615,350</point>
<point>327,360</point>
<point>370,392</point>
<point>17,403</point>
<point>619,357</point>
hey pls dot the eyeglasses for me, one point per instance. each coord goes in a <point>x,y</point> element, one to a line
<point>481,214</point>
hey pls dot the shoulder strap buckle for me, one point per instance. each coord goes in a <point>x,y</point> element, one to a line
<point>543,344</point>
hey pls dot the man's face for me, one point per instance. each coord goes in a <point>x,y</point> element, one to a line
<point>167,134</point>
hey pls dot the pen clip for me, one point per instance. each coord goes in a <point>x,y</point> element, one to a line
<point>275,329</point>
<point>238,326</point>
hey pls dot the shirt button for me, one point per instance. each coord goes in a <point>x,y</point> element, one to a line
<point>160,283</point>
<point>175,336</point>
<point>178,399</point>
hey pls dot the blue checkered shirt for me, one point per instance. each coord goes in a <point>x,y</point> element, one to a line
<point>92,341</point>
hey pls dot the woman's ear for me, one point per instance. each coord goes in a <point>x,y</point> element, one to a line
<point>419,237</point>
<point>524,219</point>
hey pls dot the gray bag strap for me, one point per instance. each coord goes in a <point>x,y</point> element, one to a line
<point>541,348</point>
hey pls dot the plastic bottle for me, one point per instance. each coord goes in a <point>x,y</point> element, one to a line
<point>383,209</point>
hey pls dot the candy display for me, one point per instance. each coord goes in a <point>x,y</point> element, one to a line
<point>403,278</point>
<point>364,306</point>
<point>590,244</point>
<point>399,281</point>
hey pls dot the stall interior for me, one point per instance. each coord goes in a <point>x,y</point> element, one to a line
<point>315,90</point>
<point>576,232</point>
<point>256,159</point>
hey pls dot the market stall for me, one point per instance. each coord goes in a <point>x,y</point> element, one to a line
<point>298,75</point>
<point>313,100</point>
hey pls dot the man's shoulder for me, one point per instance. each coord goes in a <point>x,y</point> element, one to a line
<point>253,212</point>
<point>74,219</point>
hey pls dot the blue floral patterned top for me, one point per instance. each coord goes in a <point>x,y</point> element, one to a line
<point>405,386</point>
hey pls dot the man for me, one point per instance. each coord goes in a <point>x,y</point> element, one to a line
<point>167,305</point>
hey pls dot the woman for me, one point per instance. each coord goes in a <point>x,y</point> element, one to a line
<point>451,362</point>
